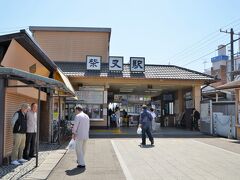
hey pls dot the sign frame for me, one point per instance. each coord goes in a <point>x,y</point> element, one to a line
<point>119,57</point>
<point>131,63</point>
<point>88,57</point>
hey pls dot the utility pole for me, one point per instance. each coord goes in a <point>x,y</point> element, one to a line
<point>231,32</point>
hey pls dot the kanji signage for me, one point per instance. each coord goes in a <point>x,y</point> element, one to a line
<point>115,63</point>
<point>93,62</point>
<point>137,64</point>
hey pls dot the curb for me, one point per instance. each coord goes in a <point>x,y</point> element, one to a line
<point>44,170</point>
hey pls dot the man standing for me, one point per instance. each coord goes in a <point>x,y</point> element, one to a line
<point>154,124</point>
<point>145,124</point>
<point>195,118</point>
<point>19,124</point>
<point>31,132</point>
<point>80,134</point>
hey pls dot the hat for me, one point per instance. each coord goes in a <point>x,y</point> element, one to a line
<point>144,106</point>
<point>79,107</point>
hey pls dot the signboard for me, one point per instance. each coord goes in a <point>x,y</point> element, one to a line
<point>93,62</point>
<point>168,97</point>
<point>90,97</point>
<point>137,64</point>
<point>115,63</point>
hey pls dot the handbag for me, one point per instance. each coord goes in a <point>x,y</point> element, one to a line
<point>71,145</point>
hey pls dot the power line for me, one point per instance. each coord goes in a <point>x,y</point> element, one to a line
<point>210,52</point>
<point>199,49</point>
<point>203,39</point>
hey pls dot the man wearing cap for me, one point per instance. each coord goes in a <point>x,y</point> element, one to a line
<point>145,122</point>
<point>80,134</point>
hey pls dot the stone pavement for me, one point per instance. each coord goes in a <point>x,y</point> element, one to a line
<point>170,158</point>
<point>101,163</point>
<point>15,172</point>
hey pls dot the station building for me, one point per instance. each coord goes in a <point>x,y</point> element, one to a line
<point>100,79</point>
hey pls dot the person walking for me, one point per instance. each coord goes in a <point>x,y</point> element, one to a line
<point>19,124</point>
<point>154,124</point>
<point>80,134</point>
<point>29,149</point>
<point>145,123</point>
<point>117,112</point>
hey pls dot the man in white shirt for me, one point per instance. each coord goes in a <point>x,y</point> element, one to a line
<point>31,132</point>
<point>80,134</point>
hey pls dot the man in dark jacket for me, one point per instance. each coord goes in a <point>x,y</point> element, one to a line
<point>195,119</point>
<point>19,124</point>
<point>145,122</point>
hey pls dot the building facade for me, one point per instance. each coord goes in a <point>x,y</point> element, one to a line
<point>100,80</point>
<point>24,67</point>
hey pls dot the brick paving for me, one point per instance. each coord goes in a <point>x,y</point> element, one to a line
<point>15,172</point>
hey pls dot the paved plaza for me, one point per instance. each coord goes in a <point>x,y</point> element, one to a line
<point>170,158</point>
<point>177,154</point>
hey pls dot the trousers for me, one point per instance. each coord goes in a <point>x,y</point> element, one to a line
<point>80,151</point>
<point>18,146</point>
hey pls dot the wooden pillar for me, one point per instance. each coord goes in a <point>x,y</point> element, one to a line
<point>180,101</point>
<point>196,92</point>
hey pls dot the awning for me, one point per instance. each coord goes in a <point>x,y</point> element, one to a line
<point>34,80</point>
<point>230,85</point>
<point>65,80</point>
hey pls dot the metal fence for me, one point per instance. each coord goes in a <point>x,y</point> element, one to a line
<point>218,118</point>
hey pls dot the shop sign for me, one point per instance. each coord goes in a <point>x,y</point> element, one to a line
<point>168,97</point>
<point>188,96</point>
<point>115,63</point>
<point>93,62</point>
<point>90,97</point>
<point>137,64</point>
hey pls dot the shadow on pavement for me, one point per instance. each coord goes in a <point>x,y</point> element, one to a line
<point>146,146</point>
<point>75,171</point>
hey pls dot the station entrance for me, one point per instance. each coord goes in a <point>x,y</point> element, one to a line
<point>169,103</point>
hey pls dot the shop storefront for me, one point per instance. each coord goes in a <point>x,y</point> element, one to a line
<point>25,68</point>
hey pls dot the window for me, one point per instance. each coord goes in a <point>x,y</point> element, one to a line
<point>94,111</point>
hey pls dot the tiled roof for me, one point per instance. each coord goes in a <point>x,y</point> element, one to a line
<point>78,69</point>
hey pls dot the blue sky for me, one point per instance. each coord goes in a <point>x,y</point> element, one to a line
<point>163,31</point>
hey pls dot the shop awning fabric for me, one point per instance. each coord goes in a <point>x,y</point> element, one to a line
<point>34,80</point>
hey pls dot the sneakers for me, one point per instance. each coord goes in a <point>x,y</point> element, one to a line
<point>22,160</point>
<point>152,143</point>
<point>16,163</point>
<point>81,166</point>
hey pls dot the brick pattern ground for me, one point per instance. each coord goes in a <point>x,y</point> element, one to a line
<point>15,172</point>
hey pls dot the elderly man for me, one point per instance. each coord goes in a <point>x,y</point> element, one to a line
<point>19,124</point>
<point>80,134</point>
<point>145,123</point>
<point>31,132</point>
